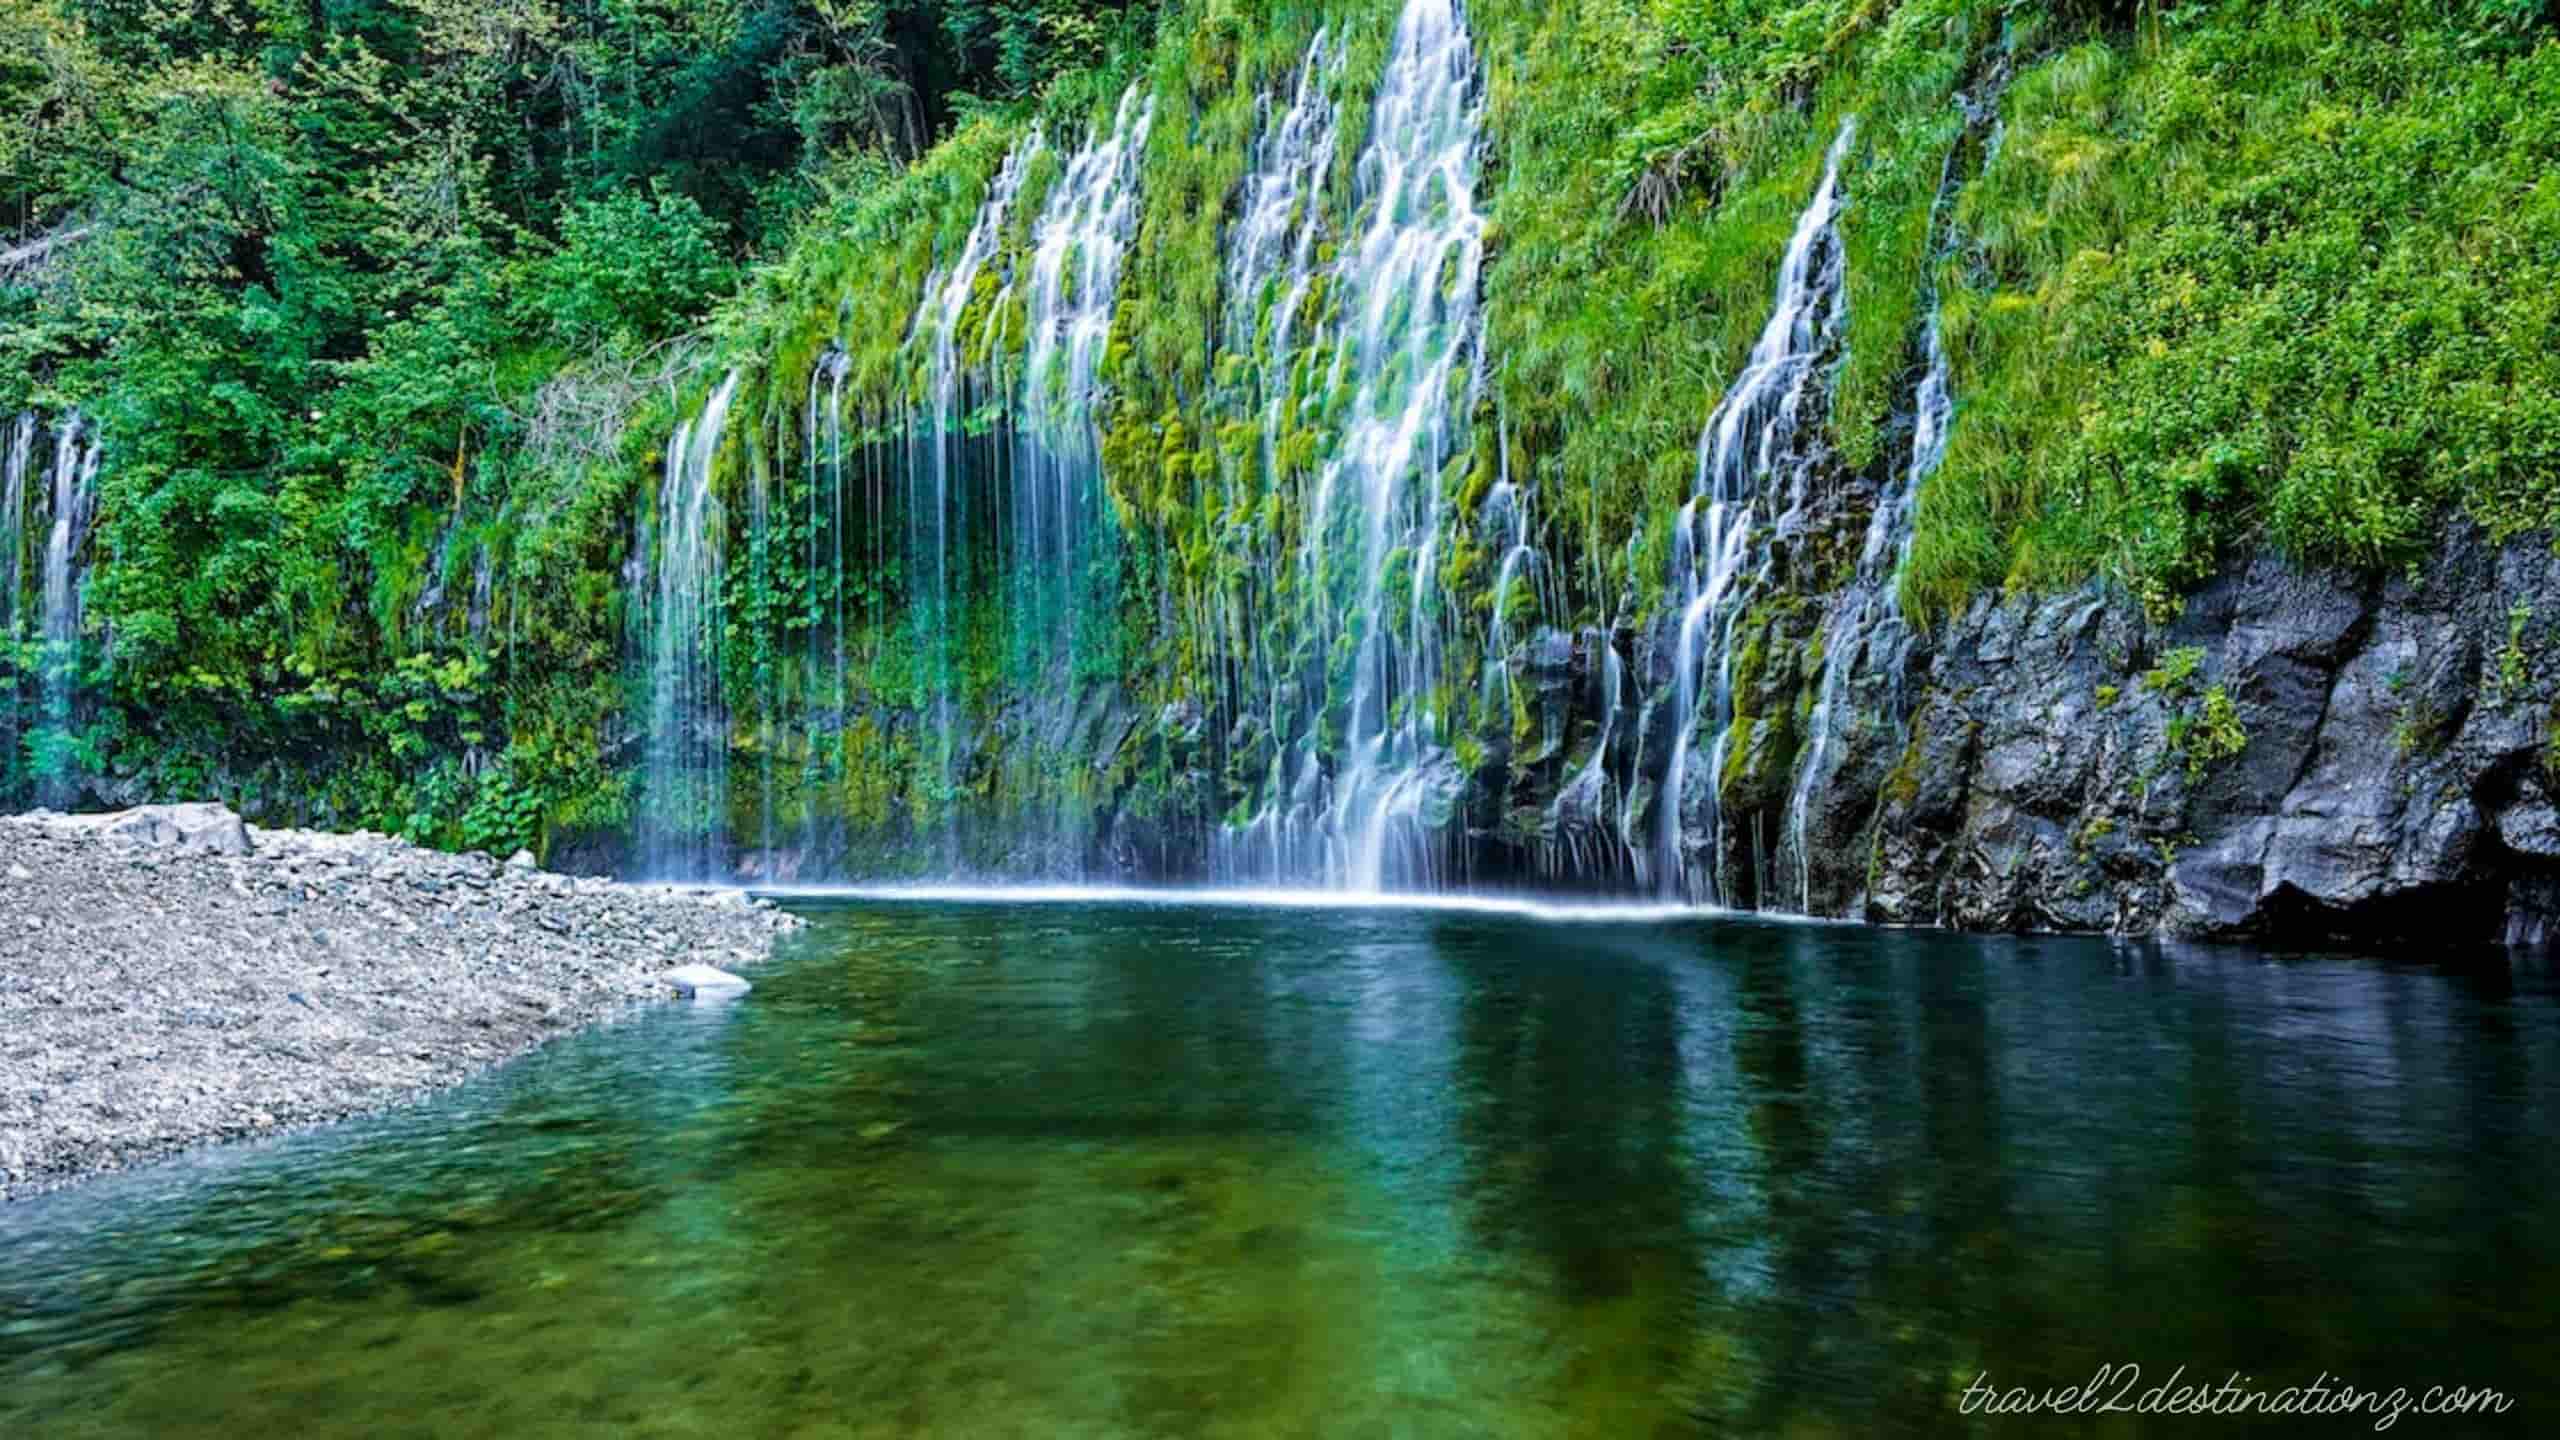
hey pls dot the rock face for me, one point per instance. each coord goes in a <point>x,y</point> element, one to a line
<point>2293,756</point>
<point>2296,756</point>
<point>170,976</point>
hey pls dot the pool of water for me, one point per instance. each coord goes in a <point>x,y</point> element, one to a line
<point>1103,1166</point>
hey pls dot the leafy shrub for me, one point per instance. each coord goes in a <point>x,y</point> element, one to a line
<point>632,265</point>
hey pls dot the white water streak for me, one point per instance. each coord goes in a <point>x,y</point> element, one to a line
<point>1410,279</point>
<point>1271,271</point>
<point>1753,429</point>
<point>685,802</point>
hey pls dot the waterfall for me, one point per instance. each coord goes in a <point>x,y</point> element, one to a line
<point>937,474</point>
<point>1060,520</point>
<point>1753,431</point>
<point>822,444</point>
<point>1272,249</point>
<point>1584,848</point>
<point>981,507</point>
<point>761,540</point>
<point>73,492</point>
<point>483,592</point>
<point>14,464</point>
<point>1506,515</point>
<point>684,814</point>
<point>1078,245</point>
<point>973,556</point>
<point>13,513</point>
<point>1371,553</point>
<point>1865,634</point>
<point>46,511</point>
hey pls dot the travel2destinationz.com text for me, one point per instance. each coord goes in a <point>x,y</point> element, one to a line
<point>2119,1390</point>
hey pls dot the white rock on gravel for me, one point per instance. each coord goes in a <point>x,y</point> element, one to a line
<point>212,829</point>
<point>706,981</point>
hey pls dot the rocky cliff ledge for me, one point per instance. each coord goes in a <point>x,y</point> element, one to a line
<point>170,976</point>
<point>2297,756</point>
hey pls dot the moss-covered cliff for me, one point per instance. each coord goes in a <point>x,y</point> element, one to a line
<point>2205,284</point>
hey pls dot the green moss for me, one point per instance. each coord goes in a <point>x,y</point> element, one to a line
<point>2185,325</point>
<point>1902,786</point>
<point>2234,273</point>
<point>2175,671</point>
<point>2214,733</point>
<point>2420,730</point>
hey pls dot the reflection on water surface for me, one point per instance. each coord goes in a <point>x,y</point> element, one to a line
<point>1120,1167</point>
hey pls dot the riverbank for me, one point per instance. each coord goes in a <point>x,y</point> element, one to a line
<point>171,977</point>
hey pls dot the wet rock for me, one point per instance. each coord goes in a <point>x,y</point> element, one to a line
<point>2383,767</point>
<point>2530,824</point>
<point>705,981</point>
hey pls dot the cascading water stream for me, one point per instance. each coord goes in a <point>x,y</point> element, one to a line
<point>1506,515</point>
<point>1062,531</point>
<point>1753,430</point>
<point>484,585</point>
<point>685,799</point>
<point>992,485</point>
<point>1271,270</point>
<point>822,442</point>
<point>13,515</point>
<point>760,560</point>
<point>937,473</point>
<point>1410,294</point>
<point>1078,245</point>
<point>1271,250</point>
<point>1867,642</point>
<point>1583,848</point>
<point>74,484</point>
<point>1867,646</point>
<point>14,463</point>
<point>1866,634</point>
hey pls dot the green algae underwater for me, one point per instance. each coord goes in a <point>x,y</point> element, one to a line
<point>1131,1166</point>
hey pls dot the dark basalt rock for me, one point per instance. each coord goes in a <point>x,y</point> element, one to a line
<point>2396,778</point>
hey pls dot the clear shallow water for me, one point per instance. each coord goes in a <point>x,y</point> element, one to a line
<point>1124,1167</point>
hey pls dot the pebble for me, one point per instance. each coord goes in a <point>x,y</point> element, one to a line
<point>169,992</point>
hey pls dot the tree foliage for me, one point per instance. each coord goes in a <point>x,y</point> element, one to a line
<point>338,279</point>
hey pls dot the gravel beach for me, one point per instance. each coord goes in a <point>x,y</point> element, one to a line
<point>170,977</point>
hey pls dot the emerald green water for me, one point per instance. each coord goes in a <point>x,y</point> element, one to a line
<point>1113,1168</point>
